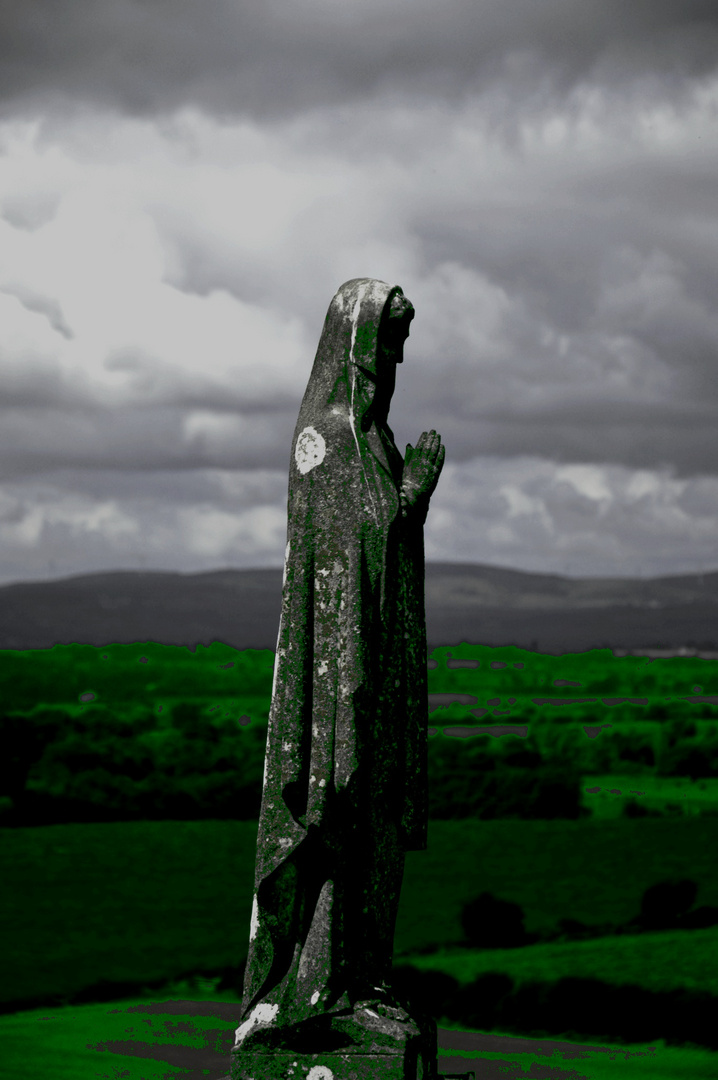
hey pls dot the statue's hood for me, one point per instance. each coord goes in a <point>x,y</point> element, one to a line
<point>344,375</point>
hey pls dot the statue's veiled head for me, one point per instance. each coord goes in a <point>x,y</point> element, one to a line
<point>362,341</point>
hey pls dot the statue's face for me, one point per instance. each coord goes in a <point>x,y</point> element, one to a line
<point>394,332</point>
<point>396,327</point>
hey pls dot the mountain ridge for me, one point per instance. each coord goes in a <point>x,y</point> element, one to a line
<point>464,602</point>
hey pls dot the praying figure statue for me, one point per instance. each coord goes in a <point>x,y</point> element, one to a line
<point>345,774</point>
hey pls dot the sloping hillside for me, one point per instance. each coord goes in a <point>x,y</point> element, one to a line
<point>464,602</point>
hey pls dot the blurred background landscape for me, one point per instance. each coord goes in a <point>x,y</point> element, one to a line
<point>464,602</point>
<point>573,797</point>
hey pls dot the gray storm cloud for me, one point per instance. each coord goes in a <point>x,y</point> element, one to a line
<point>270,60</point>
<point>186,185</point>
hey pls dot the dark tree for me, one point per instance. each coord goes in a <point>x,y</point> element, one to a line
<point>491,923</point>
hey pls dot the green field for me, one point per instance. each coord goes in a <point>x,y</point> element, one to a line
<point>591,870</point>
<point>504,679</point>
<point>99,1042</point>
<point>145,901</point>
<point>663,794</point>
<point>661,961</point>
<point>147,731</point>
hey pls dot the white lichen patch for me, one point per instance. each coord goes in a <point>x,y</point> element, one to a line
<point>310,450</point>
<point>254,921</point>
<point>263,1013</point>
<point>320,1072</point>
<point>286,746</point>
<point>322,783</point>
<point>315,997</point>
<point>312,779</point>
<point>287,549</point>
<point>276,670</point>
<point>324,573</point>
<point>323,668</point>
<point>337,568</point>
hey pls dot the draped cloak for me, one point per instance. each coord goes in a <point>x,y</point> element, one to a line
<point>346,756</point>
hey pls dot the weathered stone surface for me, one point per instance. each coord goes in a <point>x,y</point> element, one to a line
<point>325,1066</point>
<point>357,1045</point>
<point>345,784</point>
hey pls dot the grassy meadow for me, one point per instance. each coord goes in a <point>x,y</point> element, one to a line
<point>123,1042</point>
<point>98,909</point>
<point>667,960</point>
<point>115,906</point>
<point>139,902</point>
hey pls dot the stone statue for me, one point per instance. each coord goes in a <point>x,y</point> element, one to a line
<point>345,775</point>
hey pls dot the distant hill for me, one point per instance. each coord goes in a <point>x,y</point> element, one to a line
<point>464,602</point>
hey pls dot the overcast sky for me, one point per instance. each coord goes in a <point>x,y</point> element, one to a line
<point>184,184</point>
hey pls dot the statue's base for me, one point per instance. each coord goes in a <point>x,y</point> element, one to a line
<point>374,1048</point>
<point>375,1040</point>
<point>256,1065</point>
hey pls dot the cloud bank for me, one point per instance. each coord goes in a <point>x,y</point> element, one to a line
<point>184,188</point>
